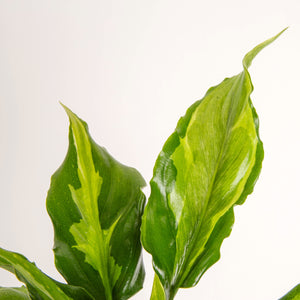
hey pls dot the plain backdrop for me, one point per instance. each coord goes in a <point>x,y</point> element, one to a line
<point>131,69</point>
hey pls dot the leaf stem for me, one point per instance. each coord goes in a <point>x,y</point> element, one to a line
<point>170,293</point>
<point>108,295</point>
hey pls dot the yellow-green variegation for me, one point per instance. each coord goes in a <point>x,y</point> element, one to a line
<point>209,164</point>
<point>96,204</point>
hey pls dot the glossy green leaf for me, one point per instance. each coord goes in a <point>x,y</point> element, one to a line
<point>96,204</point>
<point>18,293</point>
<point>209,164</point>
<point>294,294</point>
<point>39,285</point>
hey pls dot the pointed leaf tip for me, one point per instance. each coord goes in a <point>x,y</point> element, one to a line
<point>67,110</point>
<point>248,58</point>
<point>64,107</point>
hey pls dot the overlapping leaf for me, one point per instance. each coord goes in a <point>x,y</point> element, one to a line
<point>96,204</point>
<point>39,285</point>
<point>157,290</point>
<point>18,293</point>
<point>209,164</point>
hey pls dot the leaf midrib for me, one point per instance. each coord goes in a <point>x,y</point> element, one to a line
<point>220,156</point>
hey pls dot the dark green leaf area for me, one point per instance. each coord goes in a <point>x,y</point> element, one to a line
<point>161,235</point>
<point>18,293</point>
<point>119,204</point>
<point>128,250</point>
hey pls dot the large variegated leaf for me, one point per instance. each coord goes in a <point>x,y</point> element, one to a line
<point>294,294</point>
<point>209,164</point>
<point>96,204</point>
<point>39,285</point>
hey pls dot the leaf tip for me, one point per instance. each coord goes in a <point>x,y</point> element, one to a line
<point>67,110</point>
<point>248,58</point>
<point>72,117</point>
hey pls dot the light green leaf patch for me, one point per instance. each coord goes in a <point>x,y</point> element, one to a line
<point>209,164</point>
<point>91,239</point>
<point>158,292</point>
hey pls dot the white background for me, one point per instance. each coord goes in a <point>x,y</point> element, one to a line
<point>131,69</point>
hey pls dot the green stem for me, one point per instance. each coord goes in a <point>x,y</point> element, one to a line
<point>108,295</point>
<point>170,294</point>
<point>107,288</point>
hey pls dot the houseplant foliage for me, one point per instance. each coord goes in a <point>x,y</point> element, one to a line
<point>101,211</point>
<point>95,204</point>
<point>207,166</point>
